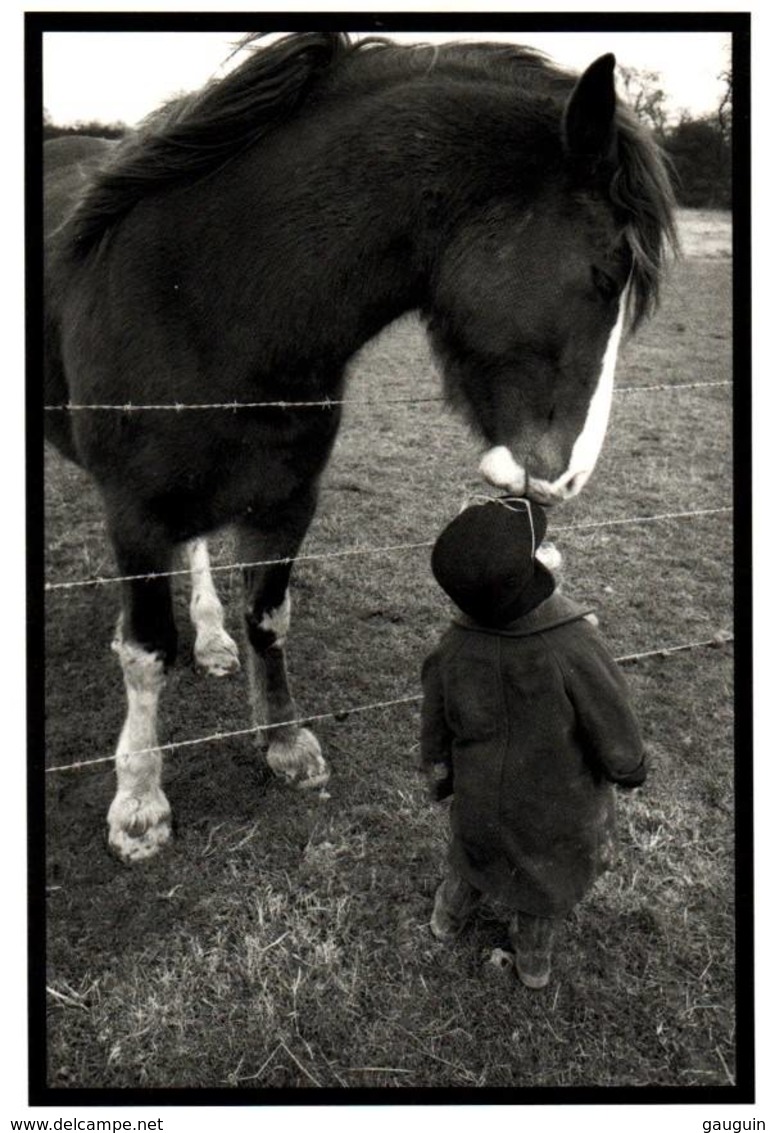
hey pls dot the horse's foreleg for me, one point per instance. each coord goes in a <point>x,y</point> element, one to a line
<point>293,751</point>
<point>139,816</point>
<point>214,650</point>
<point>146,640</point>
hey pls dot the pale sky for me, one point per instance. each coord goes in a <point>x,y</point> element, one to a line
<point>122,76</point>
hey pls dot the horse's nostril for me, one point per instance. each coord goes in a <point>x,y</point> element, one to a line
<point>540,492</point>
<point>573,486</point>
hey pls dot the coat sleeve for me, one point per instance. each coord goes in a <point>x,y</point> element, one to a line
<point>606,722</point>
<point>435,735</point>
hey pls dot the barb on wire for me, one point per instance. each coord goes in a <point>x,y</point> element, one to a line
<point>323,403</point>
<point>350,551</point>
<point>343,713</point>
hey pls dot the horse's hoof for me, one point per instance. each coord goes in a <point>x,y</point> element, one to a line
<point>216,654</point>
<point>298,759</point>
<point>312,782</point>
<point>138,828</point>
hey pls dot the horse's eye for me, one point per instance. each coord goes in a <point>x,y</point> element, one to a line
<point>607,287</point>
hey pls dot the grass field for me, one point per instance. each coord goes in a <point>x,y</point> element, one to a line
<point>283,939</point>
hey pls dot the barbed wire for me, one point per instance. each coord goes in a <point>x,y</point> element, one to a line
<point>351,551</point>
<point>323,403</point>
<point>342,713</point>
<point>180,406</point>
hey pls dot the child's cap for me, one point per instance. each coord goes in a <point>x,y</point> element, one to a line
<point>485,559</point>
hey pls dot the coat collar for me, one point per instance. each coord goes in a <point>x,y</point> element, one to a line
<point>556,610</point>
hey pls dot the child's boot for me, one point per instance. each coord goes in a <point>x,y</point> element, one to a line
<point>455,900</point>
<point>532,939</point>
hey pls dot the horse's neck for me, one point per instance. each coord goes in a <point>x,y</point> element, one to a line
<point>322,254</point>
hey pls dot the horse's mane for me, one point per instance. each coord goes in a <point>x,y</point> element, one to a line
<point>198,133</point>
<point>641,189</point>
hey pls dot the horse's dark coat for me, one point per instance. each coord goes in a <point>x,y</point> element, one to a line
<point>249,239</point>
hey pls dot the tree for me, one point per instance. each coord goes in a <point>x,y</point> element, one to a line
<point>645,96</point>
<point>701,157</point>
<point>93,128</point>
<point>724,111</point>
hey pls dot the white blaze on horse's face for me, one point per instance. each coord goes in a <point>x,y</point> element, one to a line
<point>501,469</point>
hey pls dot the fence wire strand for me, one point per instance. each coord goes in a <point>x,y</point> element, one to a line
<point>390,548</point>
<point>324,403</point>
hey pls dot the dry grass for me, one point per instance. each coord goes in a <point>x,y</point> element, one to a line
<point>283,939</point>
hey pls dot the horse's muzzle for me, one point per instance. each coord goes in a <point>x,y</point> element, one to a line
<point>499,468</point>
<point>563,489</point>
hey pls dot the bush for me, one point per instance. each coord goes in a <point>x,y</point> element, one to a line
<point>90,129</point>
<point>701,155</point>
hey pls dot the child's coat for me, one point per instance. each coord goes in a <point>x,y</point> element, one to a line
<point>533,723</point>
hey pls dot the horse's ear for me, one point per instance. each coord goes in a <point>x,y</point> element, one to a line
<point>588,123</point>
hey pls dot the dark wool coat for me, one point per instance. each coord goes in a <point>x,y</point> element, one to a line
<point>533,724</point>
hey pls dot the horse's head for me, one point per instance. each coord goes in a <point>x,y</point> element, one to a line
<point>533,287</point>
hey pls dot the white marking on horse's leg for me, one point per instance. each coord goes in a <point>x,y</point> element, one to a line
<point>214,650</point>
<point>139,816</point>
<point>294,754</point>
<point>278,620</point>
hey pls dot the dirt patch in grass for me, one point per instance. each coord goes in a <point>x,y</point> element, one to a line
<point>283,939</point>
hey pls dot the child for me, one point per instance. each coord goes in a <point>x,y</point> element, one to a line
<point>526,720</point>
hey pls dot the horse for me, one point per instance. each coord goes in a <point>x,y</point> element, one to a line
<point>247,239</point>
